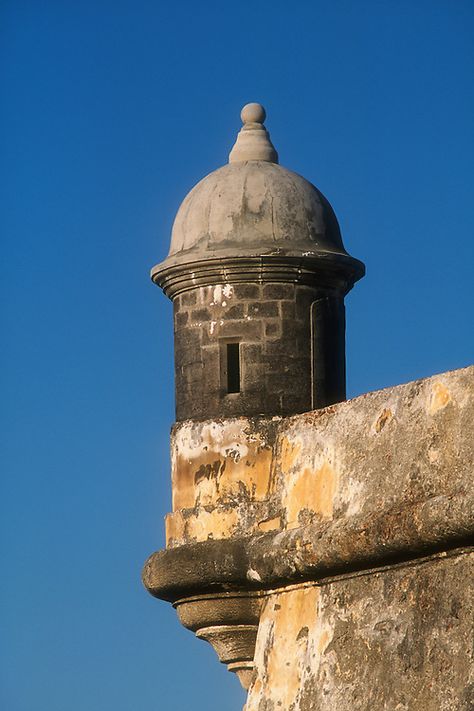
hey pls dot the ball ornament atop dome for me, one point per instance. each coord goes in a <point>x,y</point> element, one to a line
<point>253,113</point>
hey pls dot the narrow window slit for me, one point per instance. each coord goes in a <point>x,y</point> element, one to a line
<point>233,367</point>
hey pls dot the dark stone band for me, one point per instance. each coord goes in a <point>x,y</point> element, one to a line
<point>328,270</point>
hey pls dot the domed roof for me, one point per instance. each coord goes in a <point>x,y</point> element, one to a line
<point>251,208</point>
<point>254,208</point>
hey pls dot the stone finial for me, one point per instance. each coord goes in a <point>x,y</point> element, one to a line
<point>253,140</point>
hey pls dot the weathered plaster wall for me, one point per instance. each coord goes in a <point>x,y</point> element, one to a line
<point>398,639</point>
<point>394,447</point>
<point>328,556</point>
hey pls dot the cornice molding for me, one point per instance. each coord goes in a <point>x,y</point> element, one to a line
<point>329,270</point>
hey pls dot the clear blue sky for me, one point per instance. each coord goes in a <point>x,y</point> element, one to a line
<point>111,111</point>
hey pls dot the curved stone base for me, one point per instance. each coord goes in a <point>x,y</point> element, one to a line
<point>229,622</point>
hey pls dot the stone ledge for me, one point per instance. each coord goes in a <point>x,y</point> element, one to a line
<point>315,551</point>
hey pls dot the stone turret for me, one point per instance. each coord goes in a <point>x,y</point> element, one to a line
<point>327,556</point>
<point>257,273</point>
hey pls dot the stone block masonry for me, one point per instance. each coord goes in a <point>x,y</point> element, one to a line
<point>272,350</point>
<point>272,329</point>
